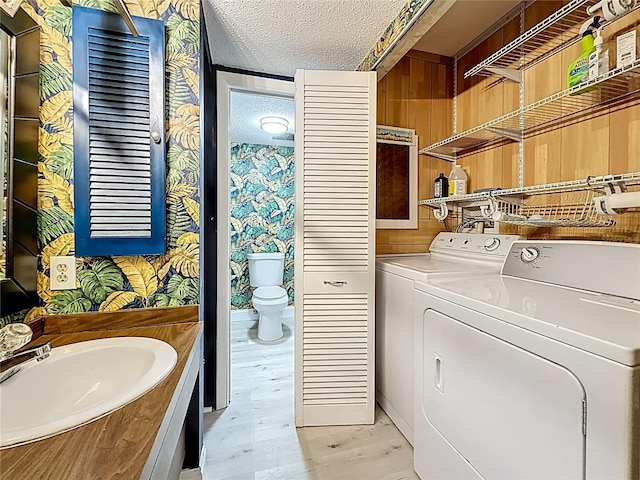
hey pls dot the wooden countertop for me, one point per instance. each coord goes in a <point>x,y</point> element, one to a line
<point>116,445</point>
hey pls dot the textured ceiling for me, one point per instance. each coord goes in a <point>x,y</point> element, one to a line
<point>280,36</point>
<point>248,109</point>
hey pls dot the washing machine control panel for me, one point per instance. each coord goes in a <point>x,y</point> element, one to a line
<point>491,244</point>
<point>473,244</point>
<point>529,254</point>
<point>603,267</point>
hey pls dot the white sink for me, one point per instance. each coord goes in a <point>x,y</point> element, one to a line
<point>79,383</point>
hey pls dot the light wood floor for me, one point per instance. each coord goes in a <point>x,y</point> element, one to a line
<point>255,437</point>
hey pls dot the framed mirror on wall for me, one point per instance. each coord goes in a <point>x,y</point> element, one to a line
<point>19,123</point>
<point>396,178</point>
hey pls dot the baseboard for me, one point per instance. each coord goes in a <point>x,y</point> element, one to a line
<point>195,473</point>
<point>191,474</point>
<point>250,314</point>
<point>396,418</point>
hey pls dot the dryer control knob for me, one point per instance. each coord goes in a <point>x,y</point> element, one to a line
<point>491,244</point>
<point>529,254</point>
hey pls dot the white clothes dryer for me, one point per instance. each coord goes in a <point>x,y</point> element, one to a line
<point>451,254</point>
<point>534,373</point>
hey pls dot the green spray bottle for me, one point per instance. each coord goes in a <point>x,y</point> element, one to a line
<point>579,70</point>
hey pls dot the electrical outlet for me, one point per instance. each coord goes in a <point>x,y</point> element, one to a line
<point>62,273</point>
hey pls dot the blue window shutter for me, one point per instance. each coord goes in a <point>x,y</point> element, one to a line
<point>118,135</point>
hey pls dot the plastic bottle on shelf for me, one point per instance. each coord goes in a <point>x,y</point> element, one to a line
<point>599,58</point>
<point>457,181</point>
<point>441,186</point>
<point>578,71</point>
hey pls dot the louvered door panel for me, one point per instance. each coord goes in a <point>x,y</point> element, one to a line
<point>120,193</point>
<point>335,349</point>
<point>119,135</point>
<point>335,155</point>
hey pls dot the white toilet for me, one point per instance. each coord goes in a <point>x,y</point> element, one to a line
<point>269,299</point>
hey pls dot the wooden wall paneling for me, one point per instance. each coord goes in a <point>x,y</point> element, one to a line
<point>585,148</point>
<point>418,117</point>
<point>597,142</point>
<point>542,158</point>
<point>425,182</point>
<point>545,78</point>
<point>381,103</point>
<point>419,108</point>
<point>510,156</point>
<point>441,126</point>
<point>624,139</point>
<point>620,26</point>
<point>421,118</point>
<point>470,166</point>
<point>540,10</point>
<point>405,242</point>
<point>432,58</point>
<point>397,102</point>
<point>417,94</point>
<point>490,89</point>
<point>467,95</point>
<point>624,120</point>
<point>549,76</point>
<point>489,170</point>
<point>441,102</point>
<point>511,99</point>
<point>435,166</point>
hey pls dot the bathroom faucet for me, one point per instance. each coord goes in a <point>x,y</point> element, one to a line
<point>13,364</point>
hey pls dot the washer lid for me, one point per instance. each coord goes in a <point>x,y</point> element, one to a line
<point>269,293</point>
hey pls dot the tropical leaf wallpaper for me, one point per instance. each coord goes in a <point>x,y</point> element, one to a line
<point>262,212</point>
<point>116,283</point>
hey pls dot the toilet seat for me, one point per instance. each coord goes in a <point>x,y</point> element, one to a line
<point>269,293</point>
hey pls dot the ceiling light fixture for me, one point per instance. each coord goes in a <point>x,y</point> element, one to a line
<point>274,124</point>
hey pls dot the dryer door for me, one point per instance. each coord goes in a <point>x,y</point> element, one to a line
<point>510,413</point>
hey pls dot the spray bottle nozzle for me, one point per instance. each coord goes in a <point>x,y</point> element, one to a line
<point>590,25</point>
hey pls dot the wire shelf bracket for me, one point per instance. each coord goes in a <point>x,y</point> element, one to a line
<point>510,133</point>
<point>508,73</point>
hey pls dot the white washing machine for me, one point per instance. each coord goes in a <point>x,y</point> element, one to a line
<point>534,373</point>
<point>451,254</point>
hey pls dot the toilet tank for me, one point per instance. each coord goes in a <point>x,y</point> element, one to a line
<point>266,269</point>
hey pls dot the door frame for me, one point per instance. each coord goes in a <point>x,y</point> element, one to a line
<point>227,81</point>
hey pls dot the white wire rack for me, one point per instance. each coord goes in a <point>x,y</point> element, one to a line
<point>567,204</point>
<point>615,86</point>
<point>577,210</point>
<point>553,34</point>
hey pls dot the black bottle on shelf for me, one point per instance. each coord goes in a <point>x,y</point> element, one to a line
<point>441,186</point>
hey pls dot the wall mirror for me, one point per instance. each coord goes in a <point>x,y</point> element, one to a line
<point>19,123</point>
<point>396,178</point>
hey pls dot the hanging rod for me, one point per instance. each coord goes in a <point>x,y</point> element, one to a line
<point>126,16</point>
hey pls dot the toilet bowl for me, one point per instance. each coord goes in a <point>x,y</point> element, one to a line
<point>269,298</point>
<point>270,302</point>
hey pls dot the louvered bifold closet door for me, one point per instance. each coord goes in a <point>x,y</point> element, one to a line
<point>335,247</point>
<point>119,130</point>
